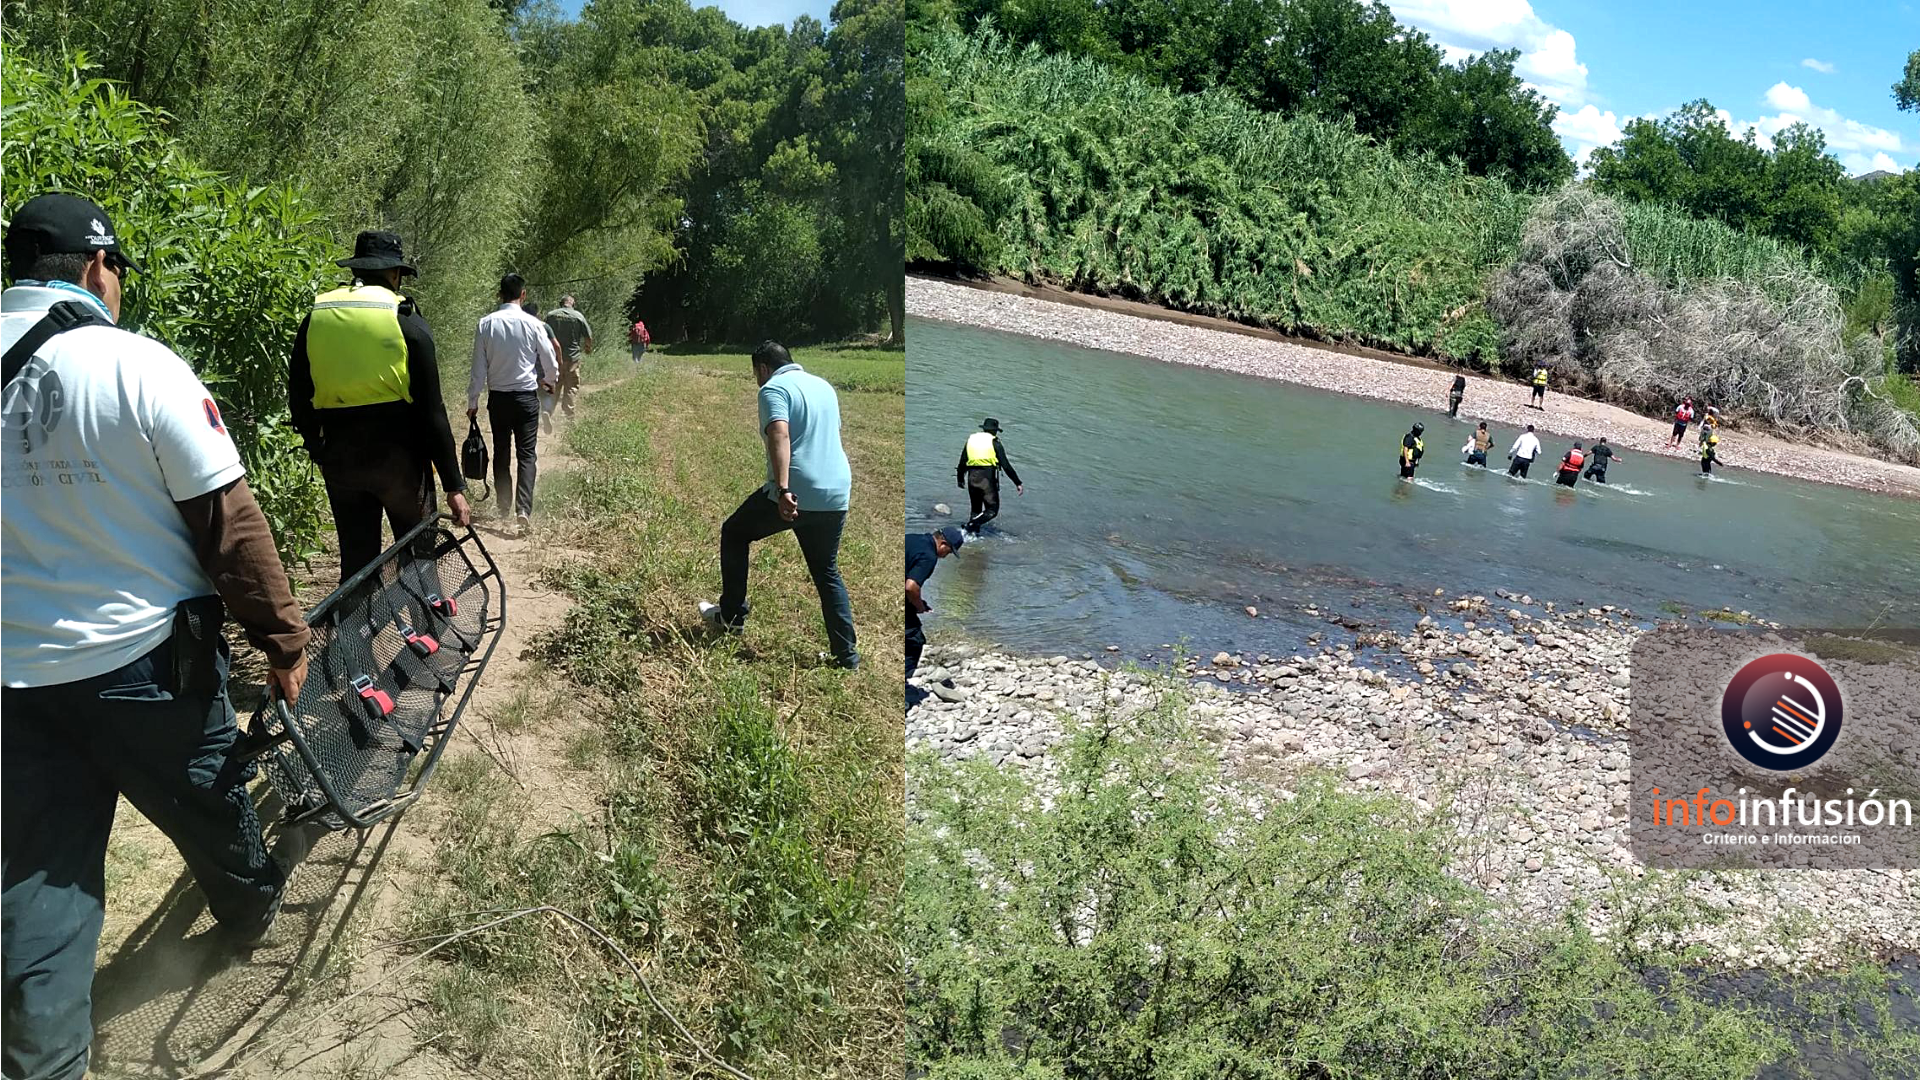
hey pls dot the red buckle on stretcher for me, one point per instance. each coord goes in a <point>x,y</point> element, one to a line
<point>422,645</point>
<point>379,705</point>
<point>443,605</point>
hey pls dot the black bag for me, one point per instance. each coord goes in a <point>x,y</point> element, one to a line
<point>473,458</point>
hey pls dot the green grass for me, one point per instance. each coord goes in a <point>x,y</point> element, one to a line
<point>847,367</point>
<point>1904,391</point>
<point>747,848</point>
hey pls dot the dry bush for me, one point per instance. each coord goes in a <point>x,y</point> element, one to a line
<point>1768,346</point>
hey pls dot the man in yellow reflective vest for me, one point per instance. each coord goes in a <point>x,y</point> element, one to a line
<point>981,462</point>
<point>1539,387</point>
<point>364,390</point>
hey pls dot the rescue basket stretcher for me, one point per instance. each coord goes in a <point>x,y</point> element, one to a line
<point>396,652</point>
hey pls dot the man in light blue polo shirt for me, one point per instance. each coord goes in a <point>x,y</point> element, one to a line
<point>808,480</point>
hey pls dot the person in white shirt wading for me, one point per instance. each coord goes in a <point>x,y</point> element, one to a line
<point>513,360</point>
<point>127,532</point>
<point>1524,450</point>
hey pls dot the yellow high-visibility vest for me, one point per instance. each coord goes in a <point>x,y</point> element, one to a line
<point>1539,376</point>
<point>355,349</point>
<point>980,449</point>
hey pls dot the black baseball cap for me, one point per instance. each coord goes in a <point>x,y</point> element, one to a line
<point>954,537</point>
<point>376,250</point>
<point>61,224</point>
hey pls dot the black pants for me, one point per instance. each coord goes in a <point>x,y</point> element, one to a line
<point>1567,477</point>
<point>70,751</point>
<point>819,534</point>
<point>363,486</point>
<point>1679,430</point>
<point>1406,470</point>
<point>1540,396</point>
<point>916,641</point>
<point>983,490</point>
<point>1453,404</point>
<point>1597,473</point>
<point>1477,457</point>
<point>1519,466</point>
<point>515,417</point>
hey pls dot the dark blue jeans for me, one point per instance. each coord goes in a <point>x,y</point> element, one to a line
<point>819,534</point>
<point>66,752</point>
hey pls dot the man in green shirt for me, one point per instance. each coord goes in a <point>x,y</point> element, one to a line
<point>576,341</point>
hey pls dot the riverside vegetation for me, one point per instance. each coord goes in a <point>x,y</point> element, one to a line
<point>1058,168</point>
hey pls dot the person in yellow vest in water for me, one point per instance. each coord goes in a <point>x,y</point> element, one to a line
<point>1539,387</point>
<point>364,390</point>
<point>1709,453</point>
<point>980,464</point>
<point>1412,449</point>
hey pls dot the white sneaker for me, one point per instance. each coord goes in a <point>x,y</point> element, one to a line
<point>525,525</point>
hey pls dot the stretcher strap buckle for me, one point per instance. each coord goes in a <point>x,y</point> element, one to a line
<point>378,705</point>
<point>444,605</point>
<point>422,645</point>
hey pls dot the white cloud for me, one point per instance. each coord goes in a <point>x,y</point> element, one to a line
<point>1782,96</point>
<point>1588,130</point>
<point>1857,163</point>
<point>1820,66</point>
<point>1461,27</point>
<point>1842,134</point>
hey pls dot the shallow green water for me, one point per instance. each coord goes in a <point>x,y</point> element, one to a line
<point>1163,500</point>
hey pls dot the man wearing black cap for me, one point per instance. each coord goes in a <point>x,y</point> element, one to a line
<point>980,463</point>
<point>364,390</point>
<point>125,524</point>
<point>924,552</point>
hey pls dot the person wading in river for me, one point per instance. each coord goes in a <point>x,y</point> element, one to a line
<point>1569,473</point>
<point>1455,395</point>
<point>1598,461</point>
<point>981,461</point>
<point>1412,449</point>
<point>1521,454</point>
<point>1478,446</point>
<point>1709,453</point>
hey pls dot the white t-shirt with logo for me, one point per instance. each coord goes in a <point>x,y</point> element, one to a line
<point>104,432</point>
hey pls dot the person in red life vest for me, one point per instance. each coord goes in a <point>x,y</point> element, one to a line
<point>1682,416</point>
<point>1570,466</point>
<point>638,337</point>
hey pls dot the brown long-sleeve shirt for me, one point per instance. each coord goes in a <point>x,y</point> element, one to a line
<point>235,547</point>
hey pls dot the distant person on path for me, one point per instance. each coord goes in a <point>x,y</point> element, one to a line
<point>1709,424</point>
<point>1709,454</point>
<point>547,398</point>
<point>1455,395</point>
<point>363,388</point>
<point>117,570</point>
<point>513,360</point>
<point>981,461</point>
<point>924,552</point>
<point>1412,449</point>
<point>1682,416</point>
<point>1521,454</point>
<point>638,337</point>
<point>1539,387</point>
<point>575,336</point>
<point>1569,473</point>
<point>1479,445</point>
<point>807,488</point>
<point>1602,456</point>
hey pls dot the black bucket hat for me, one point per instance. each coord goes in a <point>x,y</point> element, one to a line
<point>375,250</point>
<point>990,426</point>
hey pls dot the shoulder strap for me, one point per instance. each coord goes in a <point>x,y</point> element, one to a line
<point>61,317</point>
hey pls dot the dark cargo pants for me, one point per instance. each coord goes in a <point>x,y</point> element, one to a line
<point>66,753</point>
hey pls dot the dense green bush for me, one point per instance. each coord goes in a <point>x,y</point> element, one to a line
<point>1141,916</point>
<point>227,271</point>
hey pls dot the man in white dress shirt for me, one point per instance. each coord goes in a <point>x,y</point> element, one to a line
<point>512,361</point>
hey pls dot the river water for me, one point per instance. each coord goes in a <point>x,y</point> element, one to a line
<point>1163,500</point>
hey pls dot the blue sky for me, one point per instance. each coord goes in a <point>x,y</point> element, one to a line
<point>750,12</point>
<point>1764,63</point>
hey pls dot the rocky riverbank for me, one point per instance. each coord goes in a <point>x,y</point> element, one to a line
<point>1508,718</point>
<point>1502,404</point>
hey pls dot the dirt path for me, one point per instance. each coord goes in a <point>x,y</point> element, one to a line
<point>170,1001</point>
<point>1143,330</point>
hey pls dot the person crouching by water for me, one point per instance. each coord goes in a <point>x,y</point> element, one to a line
<point>981,461</point>
<point>1598,461</point>
<point>1412,448</point>
<point>924,552</point>
<point>1455,395</point>
<point>1521,454</point>
<point>1569,474</point>
<point>1709,453</point>
<point>1478,446</point>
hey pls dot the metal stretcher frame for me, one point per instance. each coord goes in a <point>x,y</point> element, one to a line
<point>264,737</point>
